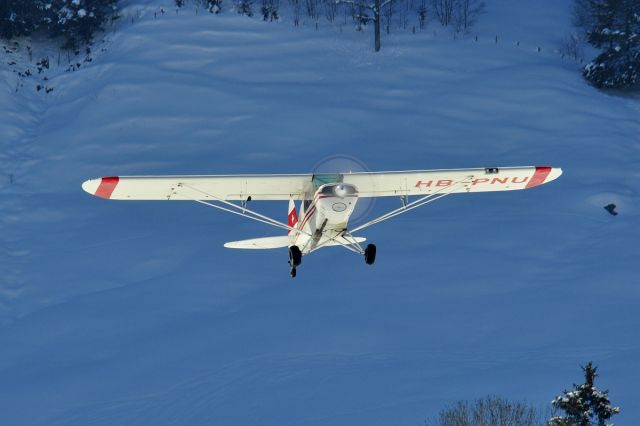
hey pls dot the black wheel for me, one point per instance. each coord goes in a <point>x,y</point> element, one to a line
<point>295,256</point>
<point>370,254</point>
<point>293,272</point>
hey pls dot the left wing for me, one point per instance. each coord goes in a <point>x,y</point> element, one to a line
<point>425,182</point>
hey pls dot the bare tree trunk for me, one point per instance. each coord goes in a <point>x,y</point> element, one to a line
<point>376,18</point>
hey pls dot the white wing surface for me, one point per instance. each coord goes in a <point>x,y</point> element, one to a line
<point>260,243</point>
<point>424,182</point>
<point>285,187</point>
<point>229,188</point>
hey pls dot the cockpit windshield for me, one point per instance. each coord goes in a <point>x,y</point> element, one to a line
<point>338,189</point>
<point>323,179</point>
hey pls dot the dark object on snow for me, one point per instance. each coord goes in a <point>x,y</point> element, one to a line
<point>611,208</point>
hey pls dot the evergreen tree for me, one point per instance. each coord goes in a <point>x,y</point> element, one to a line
<point>585,405</point>
<point>269,10</point>
<point>73,20</point>
<point>77,20</point>
<point>214,6</point>
<point>245,7</point>
<point>20,17</point>
<point>616,29</point>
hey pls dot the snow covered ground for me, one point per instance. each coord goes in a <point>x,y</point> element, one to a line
<point>134,313</point>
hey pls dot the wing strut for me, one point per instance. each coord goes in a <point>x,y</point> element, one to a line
<point>241,210</point>
<point>415,204</point>
<point>352,244</point>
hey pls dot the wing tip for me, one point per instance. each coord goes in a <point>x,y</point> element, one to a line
<point>89,186</point>
<point>553,173</point>
<point>101,187</point>
<point>542,175</point>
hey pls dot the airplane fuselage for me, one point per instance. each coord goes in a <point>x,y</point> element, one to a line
<point>325,216</point>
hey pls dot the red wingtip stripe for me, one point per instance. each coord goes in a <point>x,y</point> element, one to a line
<point>107,185</point>
<point>539,176</point>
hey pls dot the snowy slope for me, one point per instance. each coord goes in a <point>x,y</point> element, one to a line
<point>134,313</point>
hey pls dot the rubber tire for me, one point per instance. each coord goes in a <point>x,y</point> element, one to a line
<point>370,254</point>
<point>295,256</point>
<point>293,272</point>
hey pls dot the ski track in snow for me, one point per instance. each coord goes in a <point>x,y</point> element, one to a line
<point>133,313</point>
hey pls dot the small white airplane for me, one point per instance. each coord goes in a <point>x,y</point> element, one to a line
<point>326,200</point>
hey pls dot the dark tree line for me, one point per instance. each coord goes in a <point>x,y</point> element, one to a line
<point>74,21</point>
<point>460,15</point>
<point>614,27</point>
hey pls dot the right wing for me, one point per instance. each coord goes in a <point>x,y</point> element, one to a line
<point>228,188</point>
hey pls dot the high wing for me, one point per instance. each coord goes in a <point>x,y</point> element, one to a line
<point>299,186</point>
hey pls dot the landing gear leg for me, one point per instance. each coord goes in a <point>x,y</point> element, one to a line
<point>370,254</point>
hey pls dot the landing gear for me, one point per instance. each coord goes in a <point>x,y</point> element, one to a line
<point>370,254</point>
<point>295,256</point>
<point>295,259</point>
